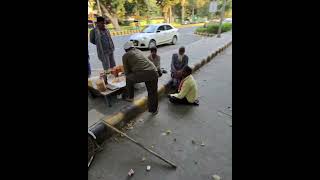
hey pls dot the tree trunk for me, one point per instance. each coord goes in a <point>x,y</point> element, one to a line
<point>115,23</point>
<point>221,18</point>
<point>113,18</point>
<point>192,14</point>
<point>171,18</point>
<point>165,14</point>
<point>183,10</point>
<point>182,14</point>
<point>99,8</point>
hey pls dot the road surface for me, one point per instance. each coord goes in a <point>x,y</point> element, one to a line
<point>186,37</point>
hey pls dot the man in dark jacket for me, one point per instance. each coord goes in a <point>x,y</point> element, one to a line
<point>179,61</point>
<point>137,69</point>
<point>101,37</point>
<point>89,68</point>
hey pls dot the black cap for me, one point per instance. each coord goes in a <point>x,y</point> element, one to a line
<point>100,19</point>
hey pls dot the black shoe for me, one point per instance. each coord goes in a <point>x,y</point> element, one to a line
<point>155,112</point>
<point>196,103</point>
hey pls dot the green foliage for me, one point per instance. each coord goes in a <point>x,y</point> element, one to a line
<point>114,7</point>
<point>142,8</point>
<point>201,29</point>
<point>164,3</point>
<point>226,27</point>
<point>214,27</point>
<point>228,7</point>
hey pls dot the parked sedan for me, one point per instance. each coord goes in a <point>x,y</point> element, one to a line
<point>154,35</point>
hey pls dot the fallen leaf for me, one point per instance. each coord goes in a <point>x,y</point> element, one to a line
<point>148,168</point>
<point>216,177</point>
<point>131,172</point>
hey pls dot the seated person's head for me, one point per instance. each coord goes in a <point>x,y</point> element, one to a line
<point>153,51</point>
<point>186,71</point>
<point>182,50</point>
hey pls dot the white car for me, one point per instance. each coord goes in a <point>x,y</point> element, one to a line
<point>227,20</point>
<point>154,35</point>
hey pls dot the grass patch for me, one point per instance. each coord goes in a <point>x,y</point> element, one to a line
<point>214,27</point>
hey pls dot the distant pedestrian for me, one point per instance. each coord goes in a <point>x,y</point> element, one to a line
<point>101,37</point>
<point>179,61</point>
<point>187,91</point>
<point>137,69</point>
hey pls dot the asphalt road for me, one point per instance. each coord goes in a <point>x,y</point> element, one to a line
<point>186,37</point>
<point>210,124</point>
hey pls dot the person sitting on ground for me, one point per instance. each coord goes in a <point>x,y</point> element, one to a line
<point>179,61</point>
<point>153,57</point>
<point>187,91</point>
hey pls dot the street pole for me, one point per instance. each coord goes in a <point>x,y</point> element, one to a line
<point>221,18</point>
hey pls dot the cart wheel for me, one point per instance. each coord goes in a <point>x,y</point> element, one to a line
<point>91,148</point>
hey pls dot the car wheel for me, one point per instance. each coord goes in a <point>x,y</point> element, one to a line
<point>152,43</point>
<point>174,40</point>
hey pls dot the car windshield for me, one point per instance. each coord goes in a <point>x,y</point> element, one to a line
<point>149,29</point>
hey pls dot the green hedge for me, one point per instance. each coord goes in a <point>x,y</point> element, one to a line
<point>213,28</point>
<point>201,29</point>
<point>226,27</point>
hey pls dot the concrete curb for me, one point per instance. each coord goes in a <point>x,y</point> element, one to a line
<point>204,34</point>
<point>119,119</point>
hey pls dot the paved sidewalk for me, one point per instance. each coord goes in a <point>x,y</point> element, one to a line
<point>196,51</point>
<point>211,122</point>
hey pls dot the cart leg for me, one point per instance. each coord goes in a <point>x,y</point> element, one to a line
<point>108,100</point>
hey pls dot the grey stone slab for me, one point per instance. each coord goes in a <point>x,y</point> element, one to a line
<point>93,117</point>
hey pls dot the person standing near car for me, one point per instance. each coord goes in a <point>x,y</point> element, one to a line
<point>101,37</point>
<point>137,69</point>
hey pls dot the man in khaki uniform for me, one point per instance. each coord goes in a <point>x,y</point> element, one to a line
<point>137,69</point>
